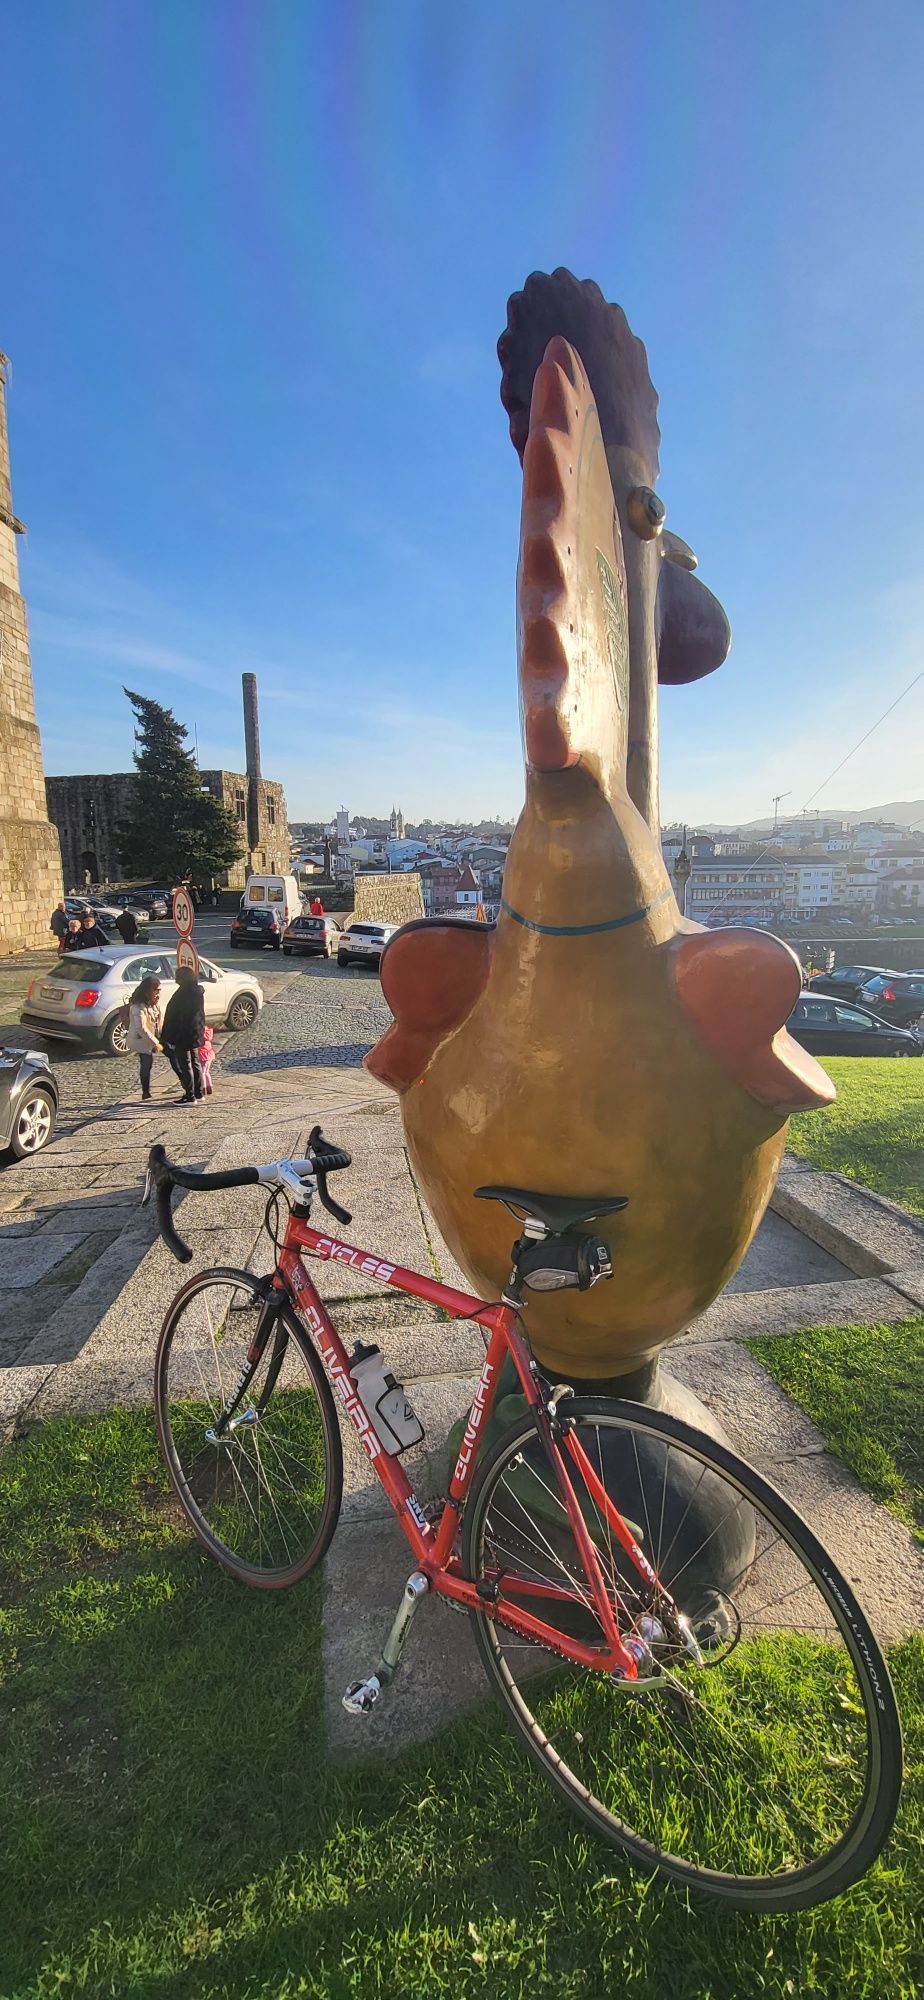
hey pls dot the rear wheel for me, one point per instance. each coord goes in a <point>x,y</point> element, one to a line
<point>252,1445</point>
<point>115,1037</point>
<point>343,958</point>
<point>762,1764</point>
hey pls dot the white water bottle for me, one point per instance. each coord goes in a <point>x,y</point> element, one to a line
<point>392,1416</point>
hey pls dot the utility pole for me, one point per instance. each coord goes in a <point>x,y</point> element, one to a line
<point>777,796</point>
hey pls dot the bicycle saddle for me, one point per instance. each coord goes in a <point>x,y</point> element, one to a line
<point>557,1211</point>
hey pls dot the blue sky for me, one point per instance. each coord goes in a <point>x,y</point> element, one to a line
<point>256,255</point>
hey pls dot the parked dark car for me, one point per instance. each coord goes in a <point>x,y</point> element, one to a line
<point>256,928</point>
<point>28,1101</point>
<point>830,1027</point>
<point>311,934</point>
<point>896,997</point>
<point>846,981</point>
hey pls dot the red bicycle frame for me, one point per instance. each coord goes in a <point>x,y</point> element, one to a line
<point>433,1548</point>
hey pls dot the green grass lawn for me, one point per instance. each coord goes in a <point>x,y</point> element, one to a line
<point>864,1388</point>
<point>875,1131</point>
<point>174,1828</point>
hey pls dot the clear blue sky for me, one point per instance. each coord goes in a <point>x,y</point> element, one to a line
<point>255,258</point>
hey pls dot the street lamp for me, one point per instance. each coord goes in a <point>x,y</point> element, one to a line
<point>683,869</point>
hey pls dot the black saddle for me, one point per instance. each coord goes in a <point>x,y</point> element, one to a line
<point>557,1211</point>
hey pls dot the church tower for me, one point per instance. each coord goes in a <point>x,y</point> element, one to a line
<point>30,858</point>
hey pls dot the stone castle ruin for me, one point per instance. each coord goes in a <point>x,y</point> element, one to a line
<point>30,861</point>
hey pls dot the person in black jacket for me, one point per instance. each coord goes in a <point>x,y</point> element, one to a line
<point>90,932</point>
<point>182,1032</point>
<point>127,927</point>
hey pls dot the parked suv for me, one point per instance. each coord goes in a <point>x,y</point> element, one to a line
<point>83,997</point>
<point>256,928</point>
<point>365,942</point>
<point>896,996</point>
<point>311,934</point>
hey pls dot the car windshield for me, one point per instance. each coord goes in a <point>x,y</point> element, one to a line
<point>81,969</point>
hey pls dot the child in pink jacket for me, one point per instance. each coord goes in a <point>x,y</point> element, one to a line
<point>205,1055</point>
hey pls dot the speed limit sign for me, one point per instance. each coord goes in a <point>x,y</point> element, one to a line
<point>183,913</point>
<point>186,954</point>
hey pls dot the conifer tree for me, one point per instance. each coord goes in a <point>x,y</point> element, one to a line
<point>173,828</point>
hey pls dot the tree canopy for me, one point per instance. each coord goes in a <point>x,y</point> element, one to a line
<point>174,827</point>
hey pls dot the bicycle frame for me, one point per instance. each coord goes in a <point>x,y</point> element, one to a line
<point>433,1549</point>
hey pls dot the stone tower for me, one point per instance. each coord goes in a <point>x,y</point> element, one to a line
<point>30,859</point>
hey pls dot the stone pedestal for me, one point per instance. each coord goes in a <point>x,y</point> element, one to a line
<point>30,859</point>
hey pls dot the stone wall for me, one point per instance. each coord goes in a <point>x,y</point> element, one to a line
<point>87,812</point>
<point>30,862</point>
<point>388,899</point>
<point>270,856</point>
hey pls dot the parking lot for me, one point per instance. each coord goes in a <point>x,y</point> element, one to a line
<point>330,1012</point>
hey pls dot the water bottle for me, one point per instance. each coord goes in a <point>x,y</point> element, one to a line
<point>392,1416</point>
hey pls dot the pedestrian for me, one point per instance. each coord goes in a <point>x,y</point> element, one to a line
<point>206,1054</point>
<point>58,924</point>
<point>183,1030</point>
<point>144,1028</point>
<point>74,937</point>
<point>90,932</point>
<point>216,898</point>
<point>317,907</point>
<point>127,926</point>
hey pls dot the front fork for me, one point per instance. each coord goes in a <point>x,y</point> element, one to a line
<point>230,1420</point>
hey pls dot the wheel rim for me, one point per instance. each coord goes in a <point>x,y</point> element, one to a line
<point>33,1126</point>
<point>258,1495</point>
<point>759,1775</point>
<point>242,1014</point>
<point>118,1039</point>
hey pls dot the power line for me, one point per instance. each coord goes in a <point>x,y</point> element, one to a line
<point>767,848</point>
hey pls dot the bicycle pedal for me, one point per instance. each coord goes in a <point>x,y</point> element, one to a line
<point>361,1696</point>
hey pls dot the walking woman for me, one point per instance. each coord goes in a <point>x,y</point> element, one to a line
<point>144,1028</point>
<point>182,1032</point>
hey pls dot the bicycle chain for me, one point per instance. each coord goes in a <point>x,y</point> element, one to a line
<point>433,1510</point>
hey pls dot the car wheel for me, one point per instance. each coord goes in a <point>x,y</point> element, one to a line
<point>342,958</point>
<point>328,951</point>
<point>287,951</point>
<point>902,1051</point>
<point>277,946</point>
<point>115,1037</point>
<point>35,1123</point>
<point>242,1013</point>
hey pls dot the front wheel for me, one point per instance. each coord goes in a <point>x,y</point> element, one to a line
<point>248,1429</point>
<point>758,1756</point>
<point>34,1124</point>
<point>242,1013</point>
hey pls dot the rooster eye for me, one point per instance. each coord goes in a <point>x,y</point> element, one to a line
<point>647,514</point>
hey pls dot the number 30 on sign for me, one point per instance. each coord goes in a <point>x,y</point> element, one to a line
<point>183,912</point>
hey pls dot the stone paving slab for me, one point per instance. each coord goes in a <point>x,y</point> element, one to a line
<point>24,1262</point>
<point>759,1418</point>
<point>909,1283</point>
<point>739,1315</point>
<point>868,1233</point>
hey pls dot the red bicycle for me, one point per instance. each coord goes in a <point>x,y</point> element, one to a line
<point>670,1640</point>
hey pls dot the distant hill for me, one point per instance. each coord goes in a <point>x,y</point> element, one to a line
<point>901,812</point>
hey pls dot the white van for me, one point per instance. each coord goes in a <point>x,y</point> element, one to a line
<point>273,892</point>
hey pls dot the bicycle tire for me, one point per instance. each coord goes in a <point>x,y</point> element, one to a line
<point>302,1449</point>
<point>775,1652</point>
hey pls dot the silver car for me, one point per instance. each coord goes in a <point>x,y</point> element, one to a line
<point>365,942</point>
<point>81,997</point>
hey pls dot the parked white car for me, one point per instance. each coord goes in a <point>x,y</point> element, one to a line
<point>365,942</point>
<point>81,998</point>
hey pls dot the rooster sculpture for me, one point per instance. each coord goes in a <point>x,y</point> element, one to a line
<point>594,1041</point>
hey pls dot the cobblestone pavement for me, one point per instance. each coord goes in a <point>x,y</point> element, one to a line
<point>328,1016</point>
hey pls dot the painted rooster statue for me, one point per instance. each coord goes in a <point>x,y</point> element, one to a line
<point>594,1041</point>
